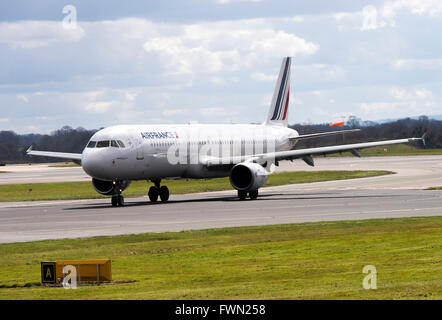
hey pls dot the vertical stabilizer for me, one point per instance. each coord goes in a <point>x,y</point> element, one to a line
<point>278,113</point>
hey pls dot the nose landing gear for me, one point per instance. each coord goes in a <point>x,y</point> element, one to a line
<point>117,201</point>
<point>117,198</point>
<point>158,191</point>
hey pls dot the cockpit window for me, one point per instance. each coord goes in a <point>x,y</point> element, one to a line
<point>114,144</point>
<point>91,144</point>
<point>121,144</point>
<point>103,144</point>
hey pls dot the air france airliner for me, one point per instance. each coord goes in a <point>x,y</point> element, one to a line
<point>246,153</point>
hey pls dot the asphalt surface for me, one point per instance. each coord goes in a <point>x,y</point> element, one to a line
<point>398,195</point>
<point>40,173</point>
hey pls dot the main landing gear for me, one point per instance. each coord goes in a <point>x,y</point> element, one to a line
<point>242,195</point>
<point>158,191</point>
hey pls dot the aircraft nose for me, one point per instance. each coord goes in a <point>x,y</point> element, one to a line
<point>90,164</point>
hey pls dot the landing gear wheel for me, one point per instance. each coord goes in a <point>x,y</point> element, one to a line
<point>253,194</point>
<point>120,199</point>
<point>164,193</point>
<point>117,201</point>
<point>242,195</point>
<point>153,194</point>
<point>114,201</point>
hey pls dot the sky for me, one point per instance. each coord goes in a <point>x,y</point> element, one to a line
<point>102,63</point>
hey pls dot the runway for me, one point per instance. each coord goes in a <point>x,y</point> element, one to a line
<point>398,195</point>
<point>40,173</point>
<point>415,172</point>
<point>72,219</point>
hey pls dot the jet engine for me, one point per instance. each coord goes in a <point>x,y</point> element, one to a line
<point>248,176</point>
<point>109,188</point>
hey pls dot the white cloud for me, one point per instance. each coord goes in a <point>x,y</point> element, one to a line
<point>274,43</point>
<point>319,111</point>
<point>295,100</point>
<point>173,112</point>
<point>43,118</point>
<point>130,95</point>
<point>32,128</point>
<point>263,77</point>
<point>410,64</point>
<point>376,107</point>
<point>35,34</point>
<point>399,93</point>
<point>99,106</point>
<point>179,58</point>
<point>423,93</point>
<point>402,94</point>
<point>342,116</point>
<point>4,119</point>
<point>216,111</point>
<point>371,17</point>
<point>418,7</point>
<point>217,80</point>
<point>227,45</point>
<point>22,97</point>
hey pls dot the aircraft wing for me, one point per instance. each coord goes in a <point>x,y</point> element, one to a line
<point>72,156</point>
<point>305,154</point>
<point>322,134</point>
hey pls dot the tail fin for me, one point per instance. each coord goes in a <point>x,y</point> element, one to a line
<point>278,113</point>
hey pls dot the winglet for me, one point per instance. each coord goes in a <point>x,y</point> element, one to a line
<point>423,138</point>
<point>417,139</point>
<point>29,149</point>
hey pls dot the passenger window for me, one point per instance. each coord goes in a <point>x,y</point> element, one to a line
<point>121,143</point>
<point>114,144</point>
<point>91,144</point>
<point>103,144</point>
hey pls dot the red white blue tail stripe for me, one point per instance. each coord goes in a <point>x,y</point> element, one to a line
<point>279,108</point>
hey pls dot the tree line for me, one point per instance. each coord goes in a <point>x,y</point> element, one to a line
<point>13,146</point>
<point>372,131</point>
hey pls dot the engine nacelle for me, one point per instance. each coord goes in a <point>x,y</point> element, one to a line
<point>248,176</point>
<point>109,188</point>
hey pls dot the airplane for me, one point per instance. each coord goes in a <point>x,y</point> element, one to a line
<point>246,153</point>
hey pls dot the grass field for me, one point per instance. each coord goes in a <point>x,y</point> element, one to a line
<point>392,150</point>
<point>435,188</point>
<point>294,261</point>
<point>84,190</point>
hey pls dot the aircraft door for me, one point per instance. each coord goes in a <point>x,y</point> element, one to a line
<point>139,149</point>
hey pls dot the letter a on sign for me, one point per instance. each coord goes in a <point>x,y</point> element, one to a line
<point>48,272</point>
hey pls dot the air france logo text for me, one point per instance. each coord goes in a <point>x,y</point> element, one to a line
<point>159,135</point>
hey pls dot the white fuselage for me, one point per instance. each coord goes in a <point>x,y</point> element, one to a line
<point>145,152</point>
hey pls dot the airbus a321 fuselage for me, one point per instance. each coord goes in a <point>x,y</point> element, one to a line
<point>246,153</point>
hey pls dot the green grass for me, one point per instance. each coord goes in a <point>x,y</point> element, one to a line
<point>435,188</point>
<point>84,190</point>
<point>392,150</point>
<point>295,261</point>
